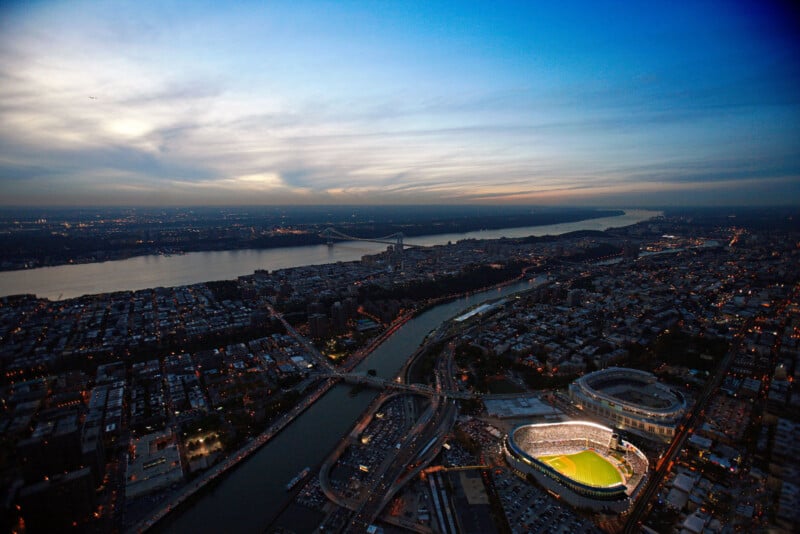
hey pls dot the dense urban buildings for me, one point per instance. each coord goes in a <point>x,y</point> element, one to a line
<point>675,341</point>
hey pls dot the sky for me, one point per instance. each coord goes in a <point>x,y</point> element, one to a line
<point>379,102</point>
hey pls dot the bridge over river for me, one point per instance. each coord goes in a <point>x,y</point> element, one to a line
<point>395,239</point>
<point>385,383</point>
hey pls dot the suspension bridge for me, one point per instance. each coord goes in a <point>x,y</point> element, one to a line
<point>395,239</point>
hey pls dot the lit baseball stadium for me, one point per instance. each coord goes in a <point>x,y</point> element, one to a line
<point>631,400</point>
<point>585,463</point>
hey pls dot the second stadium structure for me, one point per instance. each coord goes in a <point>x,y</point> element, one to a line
<point>631,400</point>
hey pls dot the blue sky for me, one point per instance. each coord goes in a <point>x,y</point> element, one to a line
<point>306,102</point>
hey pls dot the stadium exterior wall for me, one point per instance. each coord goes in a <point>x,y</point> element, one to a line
<point>655,423</point>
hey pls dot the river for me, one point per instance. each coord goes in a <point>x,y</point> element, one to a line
<point>248,498</point>
<point>142,272</point>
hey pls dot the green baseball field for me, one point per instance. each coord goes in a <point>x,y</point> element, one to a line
<point>586,467</point>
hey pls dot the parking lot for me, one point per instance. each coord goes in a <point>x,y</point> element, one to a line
<point>529,508</point>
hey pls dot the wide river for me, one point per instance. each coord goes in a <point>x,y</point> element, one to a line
<point>142,272</point>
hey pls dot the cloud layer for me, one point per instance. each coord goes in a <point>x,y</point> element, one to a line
<point>320,103</point>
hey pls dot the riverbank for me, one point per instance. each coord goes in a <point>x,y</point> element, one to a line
<point>187,494</point>
<point>69,242</point>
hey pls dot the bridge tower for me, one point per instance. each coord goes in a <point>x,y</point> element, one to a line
<point>398,251</point>
<point>327,233</point>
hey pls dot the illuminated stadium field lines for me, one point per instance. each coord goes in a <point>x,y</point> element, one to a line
<point>586,467</point>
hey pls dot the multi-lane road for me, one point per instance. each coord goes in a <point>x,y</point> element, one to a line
<point>413,453</point>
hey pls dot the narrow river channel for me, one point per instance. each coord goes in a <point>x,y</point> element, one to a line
<point>247,498</point>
